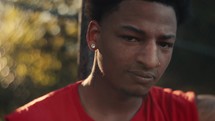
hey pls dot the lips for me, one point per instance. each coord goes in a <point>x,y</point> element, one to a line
<point>143,77</point>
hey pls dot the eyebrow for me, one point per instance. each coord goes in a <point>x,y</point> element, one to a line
<point>169,36</point>
<point>132,28</point>
<point>137,30</point>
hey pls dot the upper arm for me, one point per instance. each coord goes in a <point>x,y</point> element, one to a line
<point>206,107</point>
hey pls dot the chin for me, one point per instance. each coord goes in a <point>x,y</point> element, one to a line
<point>138,92</point>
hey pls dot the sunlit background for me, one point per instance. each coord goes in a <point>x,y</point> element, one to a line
<point>39,47</point>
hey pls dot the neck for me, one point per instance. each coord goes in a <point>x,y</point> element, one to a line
<point>98,96</point>
<point>99,91</point>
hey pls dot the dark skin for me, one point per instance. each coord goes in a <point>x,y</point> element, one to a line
<point>132,51</point>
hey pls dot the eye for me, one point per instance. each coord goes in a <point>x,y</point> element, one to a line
<point>129,38</point>
<point>167,41</point>
<point>166,45</point>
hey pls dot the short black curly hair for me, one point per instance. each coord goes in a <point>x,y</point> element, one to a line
<point>96,9</point>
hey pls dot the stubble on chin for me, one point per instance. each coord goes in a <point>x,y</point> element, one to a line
<point>135,93</point>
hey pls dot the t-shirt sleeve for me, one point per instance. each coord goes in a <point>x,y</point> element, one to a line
<point>58,105</point>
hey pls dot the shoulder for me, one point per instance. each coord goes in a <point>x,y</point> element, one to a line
<point>43,106</point>
<point>175,103</point>
<point>206,107</point>
<point>176,95</point>
<point>49,99</point>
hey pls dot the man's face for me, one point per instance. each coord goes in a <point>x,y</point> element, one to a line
<point>135,45</point>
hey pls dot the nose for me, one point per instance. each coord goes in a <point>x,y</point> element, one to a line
<point>148,55</point>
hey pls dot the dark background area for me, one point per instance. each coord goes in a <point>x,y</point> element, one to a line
<point>193,62</point>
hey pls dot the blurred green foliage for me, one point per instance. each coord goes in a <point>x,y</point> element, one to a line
<point>38,49</point>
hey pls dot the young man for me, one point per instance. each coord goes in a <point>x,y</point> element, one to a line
<point>133,42</point>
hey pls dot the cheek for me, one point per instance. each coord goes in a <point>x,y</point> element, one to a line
<point>114,56</point>
<point>108,61</point>
<point>112,62</point>
<point>165,60</point>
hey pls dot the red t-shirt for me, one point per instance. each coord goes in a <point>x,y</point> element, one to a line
<point>64,105</point>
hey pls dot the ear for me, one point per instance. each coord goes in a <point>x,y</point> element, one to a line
<point>92,36</point>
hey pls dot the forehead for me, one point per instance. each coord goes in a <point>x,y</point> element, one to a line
<point>150,8</point>
<point>142,13</point>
